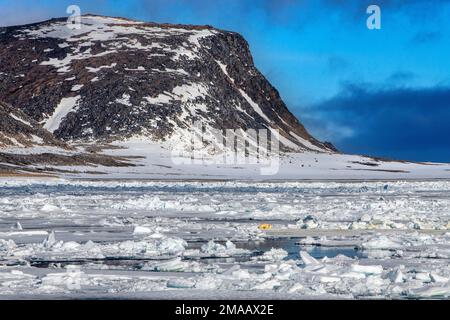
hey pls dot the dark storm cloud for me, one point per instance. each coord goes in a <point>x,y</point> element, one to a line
<point>392,122</point>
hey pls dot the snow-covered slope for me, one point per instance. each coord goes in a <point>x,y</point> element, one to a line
<point>156,162</point>
<point>114,79</point>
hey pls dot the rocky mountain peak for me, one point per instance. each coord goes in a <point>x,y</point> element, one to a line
<point>115,78</point>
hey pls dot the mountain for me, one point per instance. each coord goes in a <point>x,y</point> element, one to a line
<point>115,79</point>
<point>116,97</point>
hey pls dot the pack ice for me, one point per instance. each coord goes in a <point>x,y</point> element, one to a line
<point>150,239</point>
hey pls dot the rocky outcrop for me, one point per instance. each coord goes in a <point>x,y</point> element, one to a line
<point>17,129</point>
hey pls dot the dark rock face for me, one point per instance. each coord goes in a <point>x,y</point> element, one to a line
<point>18,129</point>
<point>52,159</point>
<point>115,78</point>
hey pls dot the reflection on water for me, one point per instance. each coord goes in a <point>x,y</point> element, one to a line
<point>256,247</point>
<point>292,247</point>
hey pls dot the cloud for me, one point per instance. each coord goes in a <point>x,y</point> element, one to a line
<point>337,64</point>
<point>413,10</point>
<point>281,12</point>
<point>425,37</point>
<point>403,123</point>
<point>401,77</point>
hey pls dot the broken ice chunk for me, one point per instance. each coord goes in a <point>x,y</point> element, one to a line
<point>309,222</point>
<point>50,240</point>
<point>396,275</point>
<point>381,242</point>
<point>141,230</point>
<point>431,292</point>
<point>273,255</point>
<point>307,259</point>
<point>18,226</point>
<point>367,269</point>
<point>437,278</point>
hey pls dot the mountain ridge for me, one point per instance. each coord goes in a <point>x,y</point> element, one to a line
<point>117,78</point>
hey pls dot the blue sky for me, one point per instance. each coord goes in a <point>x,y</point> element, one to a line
<point>380,92</point>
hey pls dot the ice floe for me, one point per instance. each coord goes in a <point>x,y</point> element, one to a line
<point>352,240</point>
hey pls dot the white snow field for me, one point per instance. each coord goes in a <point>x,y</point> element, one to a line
<point>165,239</point>
<point>162,161</point>
<point>167,161</point>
